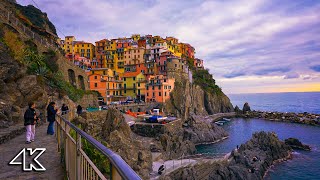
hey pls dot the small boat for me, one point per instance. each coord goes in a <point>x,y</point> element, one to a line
<point>226,119</point>
<point>131,123</point>
<point>219,123</point>
<point>154,119</point>
<point>160,119</point>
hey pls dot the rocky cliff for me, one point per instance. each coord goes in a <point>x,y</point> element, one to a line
<point>112,130</point>
<point>17,89</point>
<point>191,103</point>
<point>189,98</point>
<point>250,161</point>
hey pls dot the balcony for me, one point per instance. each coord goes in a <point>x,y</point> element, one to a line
<point>154,84</point>
<point>129,88</point>
<point>141,80</point>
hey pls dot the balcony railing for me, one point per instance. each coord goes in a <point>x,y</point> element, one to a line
<point>78,165</point>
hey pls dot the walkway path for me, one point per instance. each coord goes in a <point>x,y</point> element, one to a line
<point>172,165</point>
<point>50,159</point>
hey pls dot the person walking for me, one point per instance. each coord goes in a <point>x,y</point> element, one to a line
<point>30,120</point>
<point>64,109</point>
<point>51,113</point>
<point>79,110</point>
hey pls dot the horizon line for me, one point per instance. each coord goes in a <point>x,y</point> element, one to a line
<point>273,92</point>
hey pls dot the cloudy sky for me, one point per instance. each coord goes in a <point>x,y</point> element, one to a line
<point>249,46</point>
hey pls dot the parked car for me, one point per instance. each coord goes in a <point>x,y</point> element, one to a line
<point>129,101</point>
<point>114,103</point>
<point>123,102</point>
<point>104,107</point>
<point>138,101</point>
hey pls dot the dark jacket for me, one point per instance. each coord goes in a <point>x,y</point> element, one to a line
<point>29,117</point>
<point>64,109</point>
<point>51,113</point>
<point>79,109</point>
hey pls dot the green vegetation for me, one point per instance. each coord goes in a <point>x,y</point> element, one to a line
<point>204,79</point>
<point>95,156</point>
<point>44,65</point>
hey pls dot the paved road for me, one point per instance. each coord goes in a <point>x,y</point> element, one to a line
<point>50,159</point>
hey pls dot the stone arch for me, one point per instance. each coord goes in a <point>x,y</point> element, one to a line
<point>72,77</point>
<point>81,82</point>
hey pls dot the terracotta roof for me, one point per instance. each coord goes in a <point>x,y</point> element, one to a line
<point>131,74</point>
<point>82,42</point>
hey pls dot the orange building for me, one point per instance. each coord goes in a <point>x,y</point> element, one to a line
<point>158,88</point>
<point>108,85</point>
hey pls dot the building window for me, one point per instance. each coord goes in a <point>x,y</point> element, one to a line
<point>95,84</point>
<point>153,94</point>
<point>124,79</point>
<point>164,80</point>
<point>159,93</point>
<point>138,84</point>
<point>95,77</point>
<point>147,94</point>
<point>134,78</point>
<point>147,87</point>
<point>125,91</point>
<point>165,93</point>
<point>159,87</point>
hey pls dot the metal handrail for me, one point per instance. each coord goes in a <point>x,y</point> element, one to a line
<point>125,171</point>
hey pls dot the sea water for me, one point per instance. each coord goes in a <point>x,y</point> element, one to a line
<point>281,102</point>
<point>305,164</point>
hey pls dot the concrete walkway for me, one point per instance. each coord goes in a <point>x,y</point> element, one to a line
<point>50,159</point>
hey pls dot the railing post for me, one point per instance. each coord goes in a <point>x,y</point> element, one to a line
<point>78,158</point>
<point>58,133</point>
<point>8,16</point>
<point>114,175</point>
<point>66,158</point>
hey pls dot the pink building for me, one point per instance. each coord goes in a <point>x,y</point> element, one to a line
<point>158,88</point>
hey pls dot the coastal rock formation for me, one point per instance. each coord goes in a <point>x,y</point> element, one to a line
<point>250,161</point>
<point>237,109</point>
<point>191,103</point>
<point>112,130</point>
<point>296,144</point>
<point>301,118</point>
<point>199,131</point>
<point>188,98</point>
<point>246,108</point>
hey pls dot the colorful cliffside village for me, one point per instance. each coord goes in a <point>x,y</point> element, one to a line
<point>142,68</point>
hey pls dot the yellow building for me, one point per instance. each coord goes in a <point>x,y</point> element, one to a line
<point>84,49</point>
<point>81,48</point>
<point>135,37</point>
<point>134,85</point>
<point>67,44</point>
